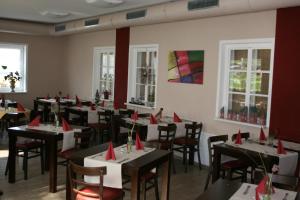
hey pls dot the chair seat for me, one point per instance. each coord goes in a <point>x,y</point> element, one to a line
<point>182,141</point>
<point>66,154</point>
<point>164,145</point>
<point>29,145</point>
<point>148,176</point>
<point>108,193</point>
<point>235,164</point>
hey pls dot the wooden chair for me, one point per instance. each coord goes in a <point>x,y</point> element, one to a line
<point>191,140</point>
<point>237,166</point>
<point>26,149</point>
<point>82,190</point>
<point>125,112</point>
<point>82,140</point>
<point>210,142</point>
<point>102,128</point>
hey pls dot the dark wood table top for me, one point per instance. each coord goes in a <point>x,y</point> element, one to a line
<point>223,189</point>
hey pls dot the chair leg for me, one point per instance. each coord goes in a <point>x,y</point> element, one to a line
<point>156,188</point>
<point>185,158</point>
<point>173,163</point>
<point>42,159</point>
<point>25,164</point>
<point>6,168</point>
<point>143,183</point>
<point>199,158</point>
<point>207,179</point>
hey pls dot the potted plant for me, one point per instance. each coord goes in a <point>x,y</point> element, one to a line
<point>12,77</point>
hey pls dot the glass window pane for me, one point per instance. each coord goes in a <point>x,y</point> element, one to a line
<point>238,59</point>
<point>140,92</point>
<point>111,59</point>
<point>237,81</point>
<point>261,59</point>
<point>151,94</point>
<point>151,76</point>
<point>236,102</point>
<point>258,110</point>
<point>141,76</point>
<point>260,83</point>
<point>104,59</point>
<point>103,72</point>
<point>141,59</point>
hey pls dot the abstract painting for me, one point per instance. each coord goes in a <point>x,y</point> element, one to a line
<point>186,66</point>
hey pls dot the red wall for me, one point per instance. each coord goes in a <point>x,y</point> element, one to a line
<point>121,68</point>
<point>285,107</point>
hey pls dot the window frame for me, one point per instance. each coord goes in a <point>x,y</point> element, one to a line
<point>132,73</point>
<point>223,74</point>
<point>23,70</point>
<point>96,70</point>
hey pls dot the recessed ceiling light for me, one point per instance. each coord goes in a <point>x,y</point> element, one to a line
<point>105,1</point>
<point>56,14</point>
<point>114,1</point>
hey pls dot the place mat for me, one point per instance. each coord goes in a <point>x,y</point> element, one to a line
<point>247,192</point>
<point>287,162</point>
<point>113,178</point>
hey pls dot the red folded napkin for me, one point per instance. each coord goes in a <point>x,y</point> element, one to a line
<point>65,125</point>
<point>280,148</point>
<point>153,119</point>
<point>110,154</point>
<point>238,139</point>
<point>138,144</point>
<point>35,121</point>
<point>78,102</point>
<point>262,136</point>
<point>262,188</point>
<point>134,116</point>
<point>20,107</point>
<point>93,106</point>
<point>176,118</point>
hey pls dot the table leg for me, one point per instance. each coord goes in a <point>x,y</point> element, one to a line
<point>216,165</point>
<point>47,150</point>
<point>52,164</point>
<point>165,182</point>
<point>68,185</point>
<point>12,158</point>
<point>135,186</point>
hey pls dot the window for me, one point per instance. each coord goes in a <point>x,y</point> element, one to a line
<point>245,81</point>
<point>104,71</point>
<point>13,58</point>
<point>142,75</point>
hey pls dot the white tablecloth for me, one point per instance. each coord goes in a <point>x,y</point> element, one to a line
<point>287,162</point>
<point>250,194</point>
<point>113,178</point>
<point>68,136</point>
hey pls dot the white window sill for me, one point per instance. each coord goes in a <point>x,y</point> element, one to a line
<point>240,123</point>
<point>107,100</point>
<point>139,106</point>
<point>16,92</point>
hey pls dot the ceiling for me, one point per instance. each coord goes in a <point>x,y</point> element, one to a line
<point>57,11</point>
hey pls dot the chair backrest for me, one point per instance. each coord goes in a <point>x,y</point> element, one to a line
<point>125,112</point>
<point>76,172</point>
<point>244,135</point>
<point>82,139</point>
<point>193,131</point>
<point>279,181</point>
<point>214,140</point>
<point>104,116</point>
<point>166,134</point>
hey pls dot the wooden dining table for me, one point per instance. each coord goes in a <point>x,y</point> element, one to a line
<point>223,189</point>
<point>135,168</point>
<point>50,138</point>
<point>247,155</point>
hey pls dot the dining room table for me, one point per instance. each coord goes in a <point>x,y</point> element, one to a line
<point>224,189</point>
<point>257,153</point>
<point>134,168</point>
<point>149,131</point>
<point>47,133</point>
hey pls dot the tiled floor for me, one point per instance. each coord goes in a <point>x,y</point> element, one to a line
<point>184,186</point>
